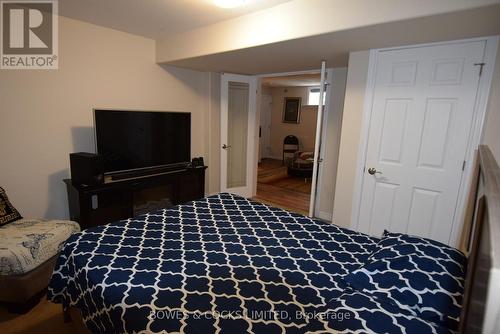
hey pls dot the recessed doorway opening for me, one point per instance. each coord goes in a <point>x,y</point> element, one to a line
<point>287,137</point>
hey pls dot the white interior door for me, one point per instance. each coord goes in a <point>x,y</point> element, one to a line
<point>317,142</point>
<point>239,134</point>
<point>421,118</point>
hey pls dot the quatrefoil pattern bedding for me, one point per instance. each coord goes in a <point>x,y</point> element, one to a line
<point>363,313</point>
<point>421,276</point>
<point>222,264</point>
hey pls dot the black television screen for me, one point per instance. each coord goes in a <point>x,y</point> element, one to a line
<point>140,139</point>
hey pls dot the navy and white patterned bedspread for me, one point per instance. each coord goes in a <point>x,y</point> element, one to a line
<point>220,264</point>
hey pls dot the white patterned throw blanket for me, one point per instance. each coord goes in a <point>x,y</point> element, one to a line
<point>27,243</point>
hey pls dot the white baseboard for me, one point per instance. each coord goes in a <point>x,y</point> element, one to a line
<point>325,215</point>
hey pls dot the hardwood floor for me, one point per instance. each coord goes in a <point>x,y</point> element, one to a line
<point>46,317</point>
<point>276,188</point>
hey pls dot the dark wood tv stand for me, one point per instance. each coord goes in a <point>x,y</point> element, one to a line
<point>93,205</point>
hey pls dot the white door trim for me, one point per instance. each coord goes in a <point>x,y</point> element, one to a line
<point>255,162</point>
<point>474,140</point>
<point>480,108</point>
<point>363,143</point>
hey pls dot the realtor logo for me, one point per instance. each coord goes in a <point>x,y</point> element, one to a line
<point>29,34</point>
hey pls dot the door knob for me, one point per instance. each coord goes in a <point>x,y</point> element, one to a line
<point>224,146</point>
<point>373,171</point>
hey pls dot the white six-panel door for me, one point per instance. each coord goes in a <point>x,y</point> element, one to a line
<point>420,123</point>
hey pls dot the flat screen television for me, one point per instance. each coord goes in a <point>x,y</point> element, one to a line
<point>132,140</point>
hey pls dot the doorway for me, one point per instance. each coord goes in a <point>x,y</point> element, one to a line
<point>287,138</point>
<point>285,177</point>
<point>418,137</point>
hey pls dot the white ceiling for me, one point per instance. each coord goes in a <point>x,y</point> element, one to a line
<point>307,53</point>
<point>153,18</point>
<point>299,80</point>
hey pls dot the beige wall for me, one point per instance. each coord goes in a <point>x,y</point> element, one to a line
<point>357,74</point>
<point>45,115</point>
<point>305,130</point>
<point>491,135</point>
<point>266,90</point>
<point>213,140</point>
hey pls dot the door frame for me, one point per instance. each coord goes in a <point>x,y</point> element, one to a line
<point>326,110</point>
<point>479,115</point>
<point>252,138</point>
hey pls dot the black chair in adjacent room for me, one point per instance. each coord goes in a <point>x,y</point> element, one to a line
<point>290,146</point>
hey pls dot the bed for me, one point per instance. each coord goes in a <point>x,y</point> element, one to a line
<point>226,264</point>
<point>28,252</point>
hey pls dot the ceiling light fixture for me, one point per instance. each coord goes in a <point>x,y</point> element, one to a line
<point>230,3</point>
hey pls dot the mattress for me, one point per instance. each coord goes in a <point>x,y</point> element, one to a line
<point>221,264</point>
